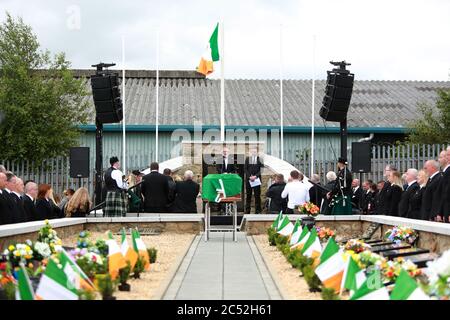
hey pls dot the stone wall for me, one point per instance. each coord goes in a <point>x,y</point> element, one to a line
<point>176,227</point>
<point>20,238</point>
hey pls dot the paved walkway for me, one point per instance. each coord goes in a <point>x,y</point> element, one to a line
<point>221,269</point>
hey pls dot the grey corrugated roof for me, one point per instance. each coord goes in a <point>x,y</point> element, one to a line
<point>257,102</point>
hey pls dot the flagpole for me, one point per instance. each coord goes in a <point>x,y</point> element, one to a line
<point>157,98</point>
<point>281,94</point>
<point>222,85</point>
<point>312,105</point>
<point>124,145</point>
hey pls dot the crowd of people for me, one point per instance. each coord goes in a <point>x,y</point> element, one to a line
<point>416,194</point>
<point>28,201</point>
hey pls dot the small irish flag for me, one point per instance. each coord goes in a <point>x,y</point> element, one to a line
<point>211,54</point>
<point>140,248</point>
<point>24,289</point>
<point>302,240</point>
<point>353,277</point>
<point>406,288</point>
<point>286,227</point>
<point>331,267</point>
<point>277,220</point>
<point>58,282</point>
<point>129,254</point>
<point>296,233</point>
<point>116,261</point>
<point>83,280</point>
<point>312,247</point>
<point>369,290</point>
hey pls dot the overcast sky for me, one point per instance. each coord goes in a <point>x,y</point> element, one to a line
<point>383,39</point>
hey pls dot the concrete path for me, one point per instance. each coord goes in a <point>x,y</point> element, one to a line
<point>221,269</point>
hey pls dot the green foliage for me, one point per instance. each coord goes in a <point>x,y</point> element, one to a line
<point>86,294</point>
<point>41,103</point>
<point>297,260</point>
<point>153,254</point>
<point>139,267</point>
<point>124,273</point>
<point>329,294</point>
<point>280,240</point>
<point>311,278</point>
<point>106,286</point>
<point>272,235</point>
<point>102,247</point>
<point>434,126</point>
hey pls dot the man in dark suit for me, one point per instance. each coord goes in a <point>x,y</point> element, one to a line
<point>17,196</point>
<point>155,190</point>
<point>5,213</point>
<point>186,193</point>
<point>404,208</point>
<point>316,192</point>
<point>381,207</point>
<point>226,164</point>
<point>431,200</point>
<point>170,197</point>
<point>357,196</point>
<point>252,167</point>
<point>29,199</point>
<point>11,200</point>
<point>445,188</point>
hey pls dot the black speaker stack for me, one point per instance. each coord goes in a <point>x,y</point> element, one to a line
<point>106,95</point>
<point>361,157</point>
<point>338,93</point>
<point>79,162</point>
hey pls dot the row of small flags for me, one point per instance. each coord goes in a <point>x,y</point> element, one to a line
<point>339,273</point>
<point>63,278</point>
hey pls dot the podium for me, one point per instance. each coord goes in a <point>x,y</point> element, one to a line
<point>221,188</point>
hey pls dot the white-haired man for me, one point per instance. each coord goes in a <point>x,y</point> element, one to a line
<point>31,192</point>
<point>186,193</point>
<point>431,201</point>
<point>404,208</point>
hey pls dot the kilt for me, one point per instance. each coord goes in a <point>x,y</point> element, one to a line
<point>339,208</point>
<point>115,204</point>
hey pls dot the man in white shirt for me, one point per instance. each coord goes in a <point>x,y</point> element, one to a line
<point>296,191</point>
<point>115,203</point>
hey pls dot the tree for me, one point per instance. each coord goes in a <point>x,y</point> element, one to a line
<point>434,126</point>
<point>41,103</point>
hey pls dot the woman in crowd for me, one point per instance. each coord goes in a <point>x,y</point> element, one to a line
<point>54,201</point>
<point>395,192</point>
<point>68,193</point>
<point>415,203</point>
<point>79,204</point>
<point>44,207</point>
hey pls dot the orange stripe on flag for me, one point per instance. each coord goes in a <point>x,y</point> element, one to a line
<point>334,282</point>
<point>205,67</point>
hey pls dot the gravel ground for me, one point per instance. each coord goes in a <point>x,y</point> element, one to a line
<point>293,286</point>
<point>169,245</point>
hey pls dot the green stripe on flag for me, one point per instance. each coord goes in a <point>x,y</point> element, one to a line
<point>311,239</point>
<point>404,287</point>
<point>330,249</point>
<point>214,44</point>
<point>350,276</point>
<point>24,287</point>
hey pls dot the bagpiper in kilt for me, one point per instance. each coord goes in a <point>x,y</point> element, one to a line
<point>115,202</point>
<point>341,200</point>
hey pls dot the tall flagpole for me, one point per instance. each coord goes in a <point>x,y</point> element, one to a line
<point>222,84</point>
<point>157,98</point>
<point>124,145</point>
<point>312,105</point>
<point>281,94</point>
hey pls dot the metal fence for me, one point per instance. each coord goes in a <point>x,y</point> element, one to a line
<point>56,171</point>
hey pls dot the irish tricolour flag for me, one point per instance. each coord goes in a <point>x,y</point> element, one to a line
<point>331,267</point>
<point>285,227</point>
<point>302,239</point>
<point>116,260</point>
<point>24,289</point>
<point>353,277</point>
<point>211,54</point>
<point>128,252</point>
<point>59,282</point>
<point>371,289</point>
<point>140,248</point>
<point>406,288</point>
<point>312,247</point>
<point>296,233</point>
<point>277,220</point>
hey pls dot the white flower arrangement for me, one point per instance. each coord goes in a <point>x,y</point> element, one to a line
<point>439,267</point>
<point>43,249</point>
